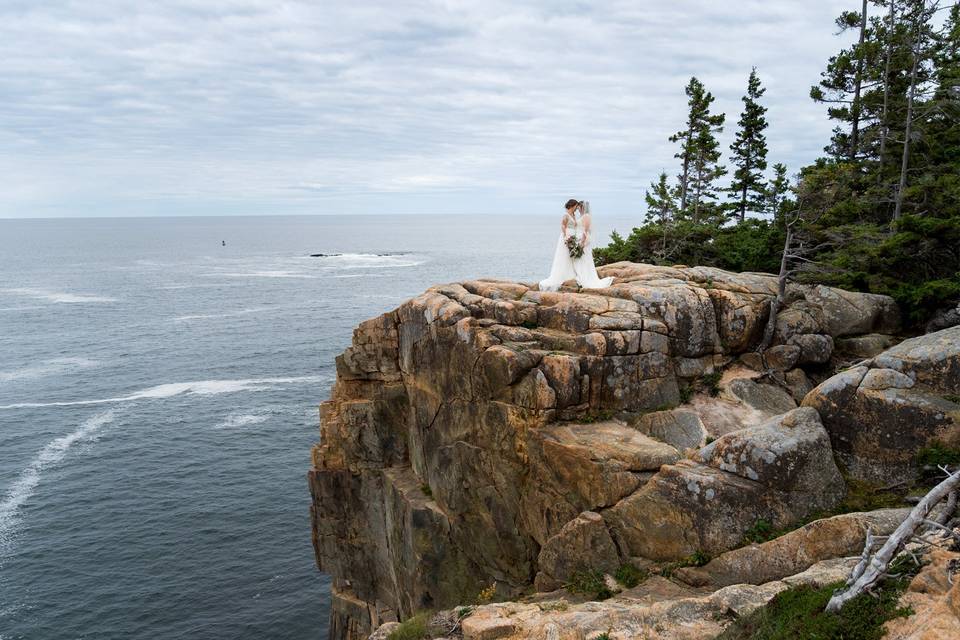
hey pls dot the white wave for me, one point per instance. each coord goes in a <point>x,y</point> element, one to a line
<point>242,420</point>
<point>47,368</point>
<point>59,297</point>
<point>270,273</point>
<point>228,314</point>
<point>25,484</point>
<point>368,261</point>
<point>201,387</point>
<point>208,285</point>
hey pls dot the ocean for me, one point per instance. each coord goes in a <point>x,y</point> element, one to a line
<point>159,383</point>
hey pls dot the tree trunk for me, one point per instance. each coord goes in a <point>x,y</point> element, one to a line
<point>876,568</point>
<point>884,125</point>
<point>685,180</point>
<point>743,191</point>
<point>858,81</point>
<point>696,203</point>
<point>905,159</point>
<point>778,301</point>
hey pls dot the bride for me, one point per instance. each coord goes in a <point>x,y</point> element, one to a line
<point>565,266</point>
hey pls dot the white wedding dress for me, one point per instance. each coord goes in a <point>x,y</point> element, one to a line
<point>566,268</point>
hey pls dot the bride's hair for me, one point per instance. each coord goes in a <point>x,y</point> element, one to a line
<point>571,203</point>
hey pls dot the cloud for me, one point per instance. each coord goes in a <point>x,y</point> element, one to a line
<point>253,106</point>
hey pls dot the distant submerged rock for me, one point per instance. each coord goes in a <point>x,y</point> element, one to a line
<point>487,433</point>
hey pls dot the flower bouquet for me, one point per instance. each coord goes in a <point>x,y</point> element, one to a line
<point>574,247</point>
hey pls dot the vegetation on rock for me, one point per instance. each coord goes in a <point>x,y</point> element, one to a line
<point>591,584</point>
<point>414,628</point>
<point>799,612</point>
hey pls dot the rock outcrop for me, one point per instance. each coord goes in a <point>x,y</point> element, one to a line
<point>780,471</point>
<point>484,431</point>
<point>880,413</point>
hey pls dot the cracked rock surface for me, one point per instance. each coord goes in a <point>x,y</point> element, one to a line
<point>484,428</point>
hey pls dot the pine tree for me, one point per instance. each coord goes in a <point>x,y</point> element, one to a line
<point>699,152</point>
<point>922,49</point>
<point>661,201</point>
<point>842,84</point>
<point>750,152</point>
<point>776,191</point>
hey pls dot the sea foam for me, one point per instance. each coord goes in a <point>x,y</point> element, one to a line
<point>25,484</point>
<point>57,296</point>
<point>47,368</point>
<point>201,387</point>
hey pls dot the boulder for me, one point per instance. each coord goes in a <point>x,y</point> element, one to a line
<point>798,384</point>
<point>881,413</point>
<point>765,398</point>
<point>848,313</point>
<point>865,346</point>
<point>680,428</point>
<point>583,544</point>
<point>780,471</point>
<point>837,537</point>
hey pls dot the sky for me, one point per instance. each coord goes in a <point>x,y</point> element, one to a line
<point>249,107</point>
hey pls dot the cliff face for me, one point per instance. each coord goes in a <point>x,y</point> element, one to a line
<point>471,429</point>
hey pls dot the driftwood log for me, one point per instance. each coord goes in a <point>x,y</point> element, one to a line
<point>871,569</point>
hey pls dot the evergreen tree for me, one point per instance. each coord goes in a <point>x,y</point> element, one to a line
<point>842,84</point>
<point>661,201</point>
<point>699,153</point>
<point>776,191</point>
<point>750,152</point>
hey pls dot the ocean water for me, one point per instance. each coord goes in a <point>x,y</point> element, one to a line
<point>158,402</point>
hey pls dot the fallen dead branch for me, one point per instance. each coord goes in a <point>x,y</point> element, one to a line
<point>871,569</point>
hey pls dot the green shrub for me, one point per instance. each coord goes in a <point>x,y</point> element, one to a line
<point>629,575</point>
<point>589,583</point>
<point>937,453</point>
<point>415,628</point>
<point>799,612</point>
<point>761,531</point>
<point>711,383</point>
<point>696,559</point>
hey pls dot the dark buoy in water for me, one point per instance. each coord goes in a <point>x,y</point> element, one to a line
<point>224,242</point>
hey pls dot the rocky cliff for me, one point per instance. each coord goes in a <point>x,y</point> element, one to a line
<point>489,434</point>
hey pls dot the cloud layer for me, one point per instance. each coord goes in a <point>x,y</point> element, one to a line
<point>443,106</point>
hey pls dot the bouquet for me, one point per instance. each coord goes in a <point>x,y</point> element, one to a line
<point>574,247</point>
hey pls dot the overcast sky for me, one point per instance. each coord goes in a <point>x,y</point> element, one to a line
<point>191,107</point>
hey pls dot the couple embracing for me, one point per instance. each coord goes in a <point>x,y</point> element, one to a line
<point>573,258</point>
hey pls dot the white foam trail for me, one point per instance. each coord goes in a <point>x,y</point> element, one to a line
<point>262,274</point>
<point>201,387</point>
<point>47,368</point>
<point>367,261</point>
<point>229,314</point>
<point>24,486</point>
<point>242,421</point>
<point>59,297</point>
